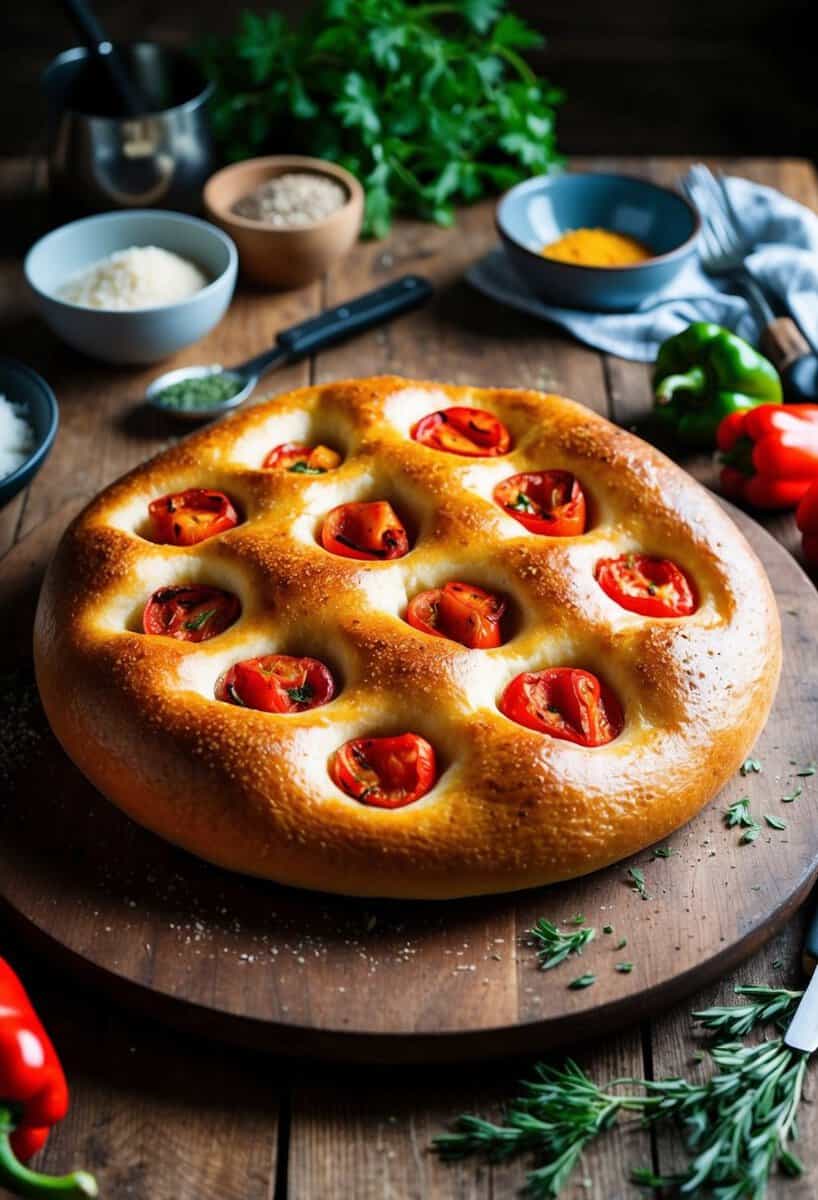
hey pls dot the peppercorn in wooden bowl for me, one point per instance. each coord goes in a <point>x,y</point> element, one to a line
<point>291,217</point>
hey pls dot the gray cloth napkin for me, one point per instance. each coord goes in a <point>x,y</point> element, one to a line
<point>785,263</point>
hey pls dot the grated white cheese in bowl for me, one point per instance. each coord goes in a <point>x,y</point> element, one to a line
<point>139,277</point>
<point>16,437</point>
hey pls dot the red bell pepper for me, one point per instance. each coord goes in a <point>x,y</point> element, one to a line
<point>770,454</point>
<point>806,518</point>
<point>33,1096</point>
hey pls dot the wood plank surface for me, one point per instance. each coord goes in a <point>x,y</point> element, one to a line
<point>342,1138</point>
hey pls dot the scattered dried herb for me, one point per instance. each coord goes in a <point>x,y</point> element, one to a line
<point>775,822</point>
<point>739,814</point>
<point>554,946</point>
<point>750,766</point>
<point>636,879</point>
<point>582,981</point>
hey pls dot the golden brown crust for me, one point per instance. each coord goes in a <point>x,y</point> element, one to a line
<point>512,808</point>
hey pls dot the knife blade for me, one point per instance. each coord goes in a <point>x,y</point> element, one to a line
<point>802,1032</point>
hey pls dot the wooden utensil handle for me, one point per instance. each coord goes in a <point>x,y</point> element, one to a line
<point>783,342</point>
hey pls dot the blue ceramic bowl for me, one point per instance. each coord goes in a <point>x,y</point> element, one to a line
<point>20,385</point>
<point>137,335</point>
<point>540,210</point>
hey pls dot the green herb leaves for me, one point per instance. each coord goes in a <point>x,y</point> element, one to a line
<point>195,623</point>
<point>553,947</point>
<point>736,1126</point>
<point>739,814</point>
<point>768,1006</point>
<point>428,105</point>
<point>750,766</point>
<point>582,981</point>
<point>636,879</point>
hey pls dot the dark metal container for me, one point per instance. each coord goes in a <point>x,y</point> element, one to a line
<point>99,159</point>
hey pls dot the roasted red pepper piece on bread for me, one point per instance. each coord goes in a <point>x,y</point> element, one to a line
<point>189,517</point>
<point>549,502</point>
<point>365,529</point>
<point>472,432</point>
<point>652,587</point>
<point>301,460</point>
<point>33,1096</point>
<point>566,703</point>
<point>770,454</point>
<point>385,772</point>
<point>460,611</point>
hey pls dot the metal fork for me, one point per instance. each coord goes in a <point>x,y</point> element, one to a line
<point>723,248</point>
<point>723,244</point>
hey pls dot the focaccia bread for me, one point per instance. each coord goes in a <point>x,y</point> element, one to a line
<point>586,690</point>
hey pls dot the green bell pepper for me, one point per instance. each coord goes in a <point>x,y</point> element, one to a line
<point>705,373</point>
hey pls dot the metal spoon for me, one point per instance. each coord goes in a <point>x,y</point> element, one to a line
<point>299,341</point>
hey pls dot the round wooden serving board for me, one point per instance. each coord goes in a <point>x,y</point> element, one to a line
<point>303,973</point>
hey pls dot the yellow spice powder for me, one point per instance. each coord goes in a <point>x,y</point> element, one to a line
<point>597,248</point>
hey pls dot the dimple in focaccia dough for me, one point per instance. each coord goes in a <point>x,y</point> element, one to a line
<point>512,808</point>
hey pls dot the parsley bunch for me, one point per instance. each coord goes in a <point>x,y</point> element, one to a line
<point>427,104</point>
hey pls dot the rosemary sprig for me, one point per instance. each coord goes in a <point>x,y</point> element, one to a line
<point>770,1006</point>
<point>554,946</point>
<point>560,1112</point>
<point>736,1126</point>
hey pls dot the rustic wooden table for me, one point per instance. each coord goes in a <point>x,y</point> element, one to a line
<point>161,1115</point>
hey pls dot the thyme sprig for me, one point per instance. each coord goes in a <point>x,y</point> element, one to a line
<point>736,1126</point>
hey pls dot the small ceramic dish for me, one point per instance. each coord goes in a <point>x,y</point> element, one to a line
<point>24,387</point>
<point>136,335</point>
<point>538,211</point>
<point>274,255</point>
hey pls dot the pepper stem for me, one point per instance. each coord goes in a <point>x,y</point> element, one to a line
<point>694,380</point>
<point>23,1182</point>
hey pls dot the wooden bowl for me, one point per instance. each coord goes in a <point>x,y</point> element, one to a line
<point>281,257</point>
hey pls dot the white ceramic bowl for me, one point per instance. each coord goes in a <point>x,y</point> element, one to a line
<point>138,335</point>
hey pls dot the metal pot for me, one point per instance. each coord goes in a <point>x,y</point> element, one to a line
<point>99,159</point>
